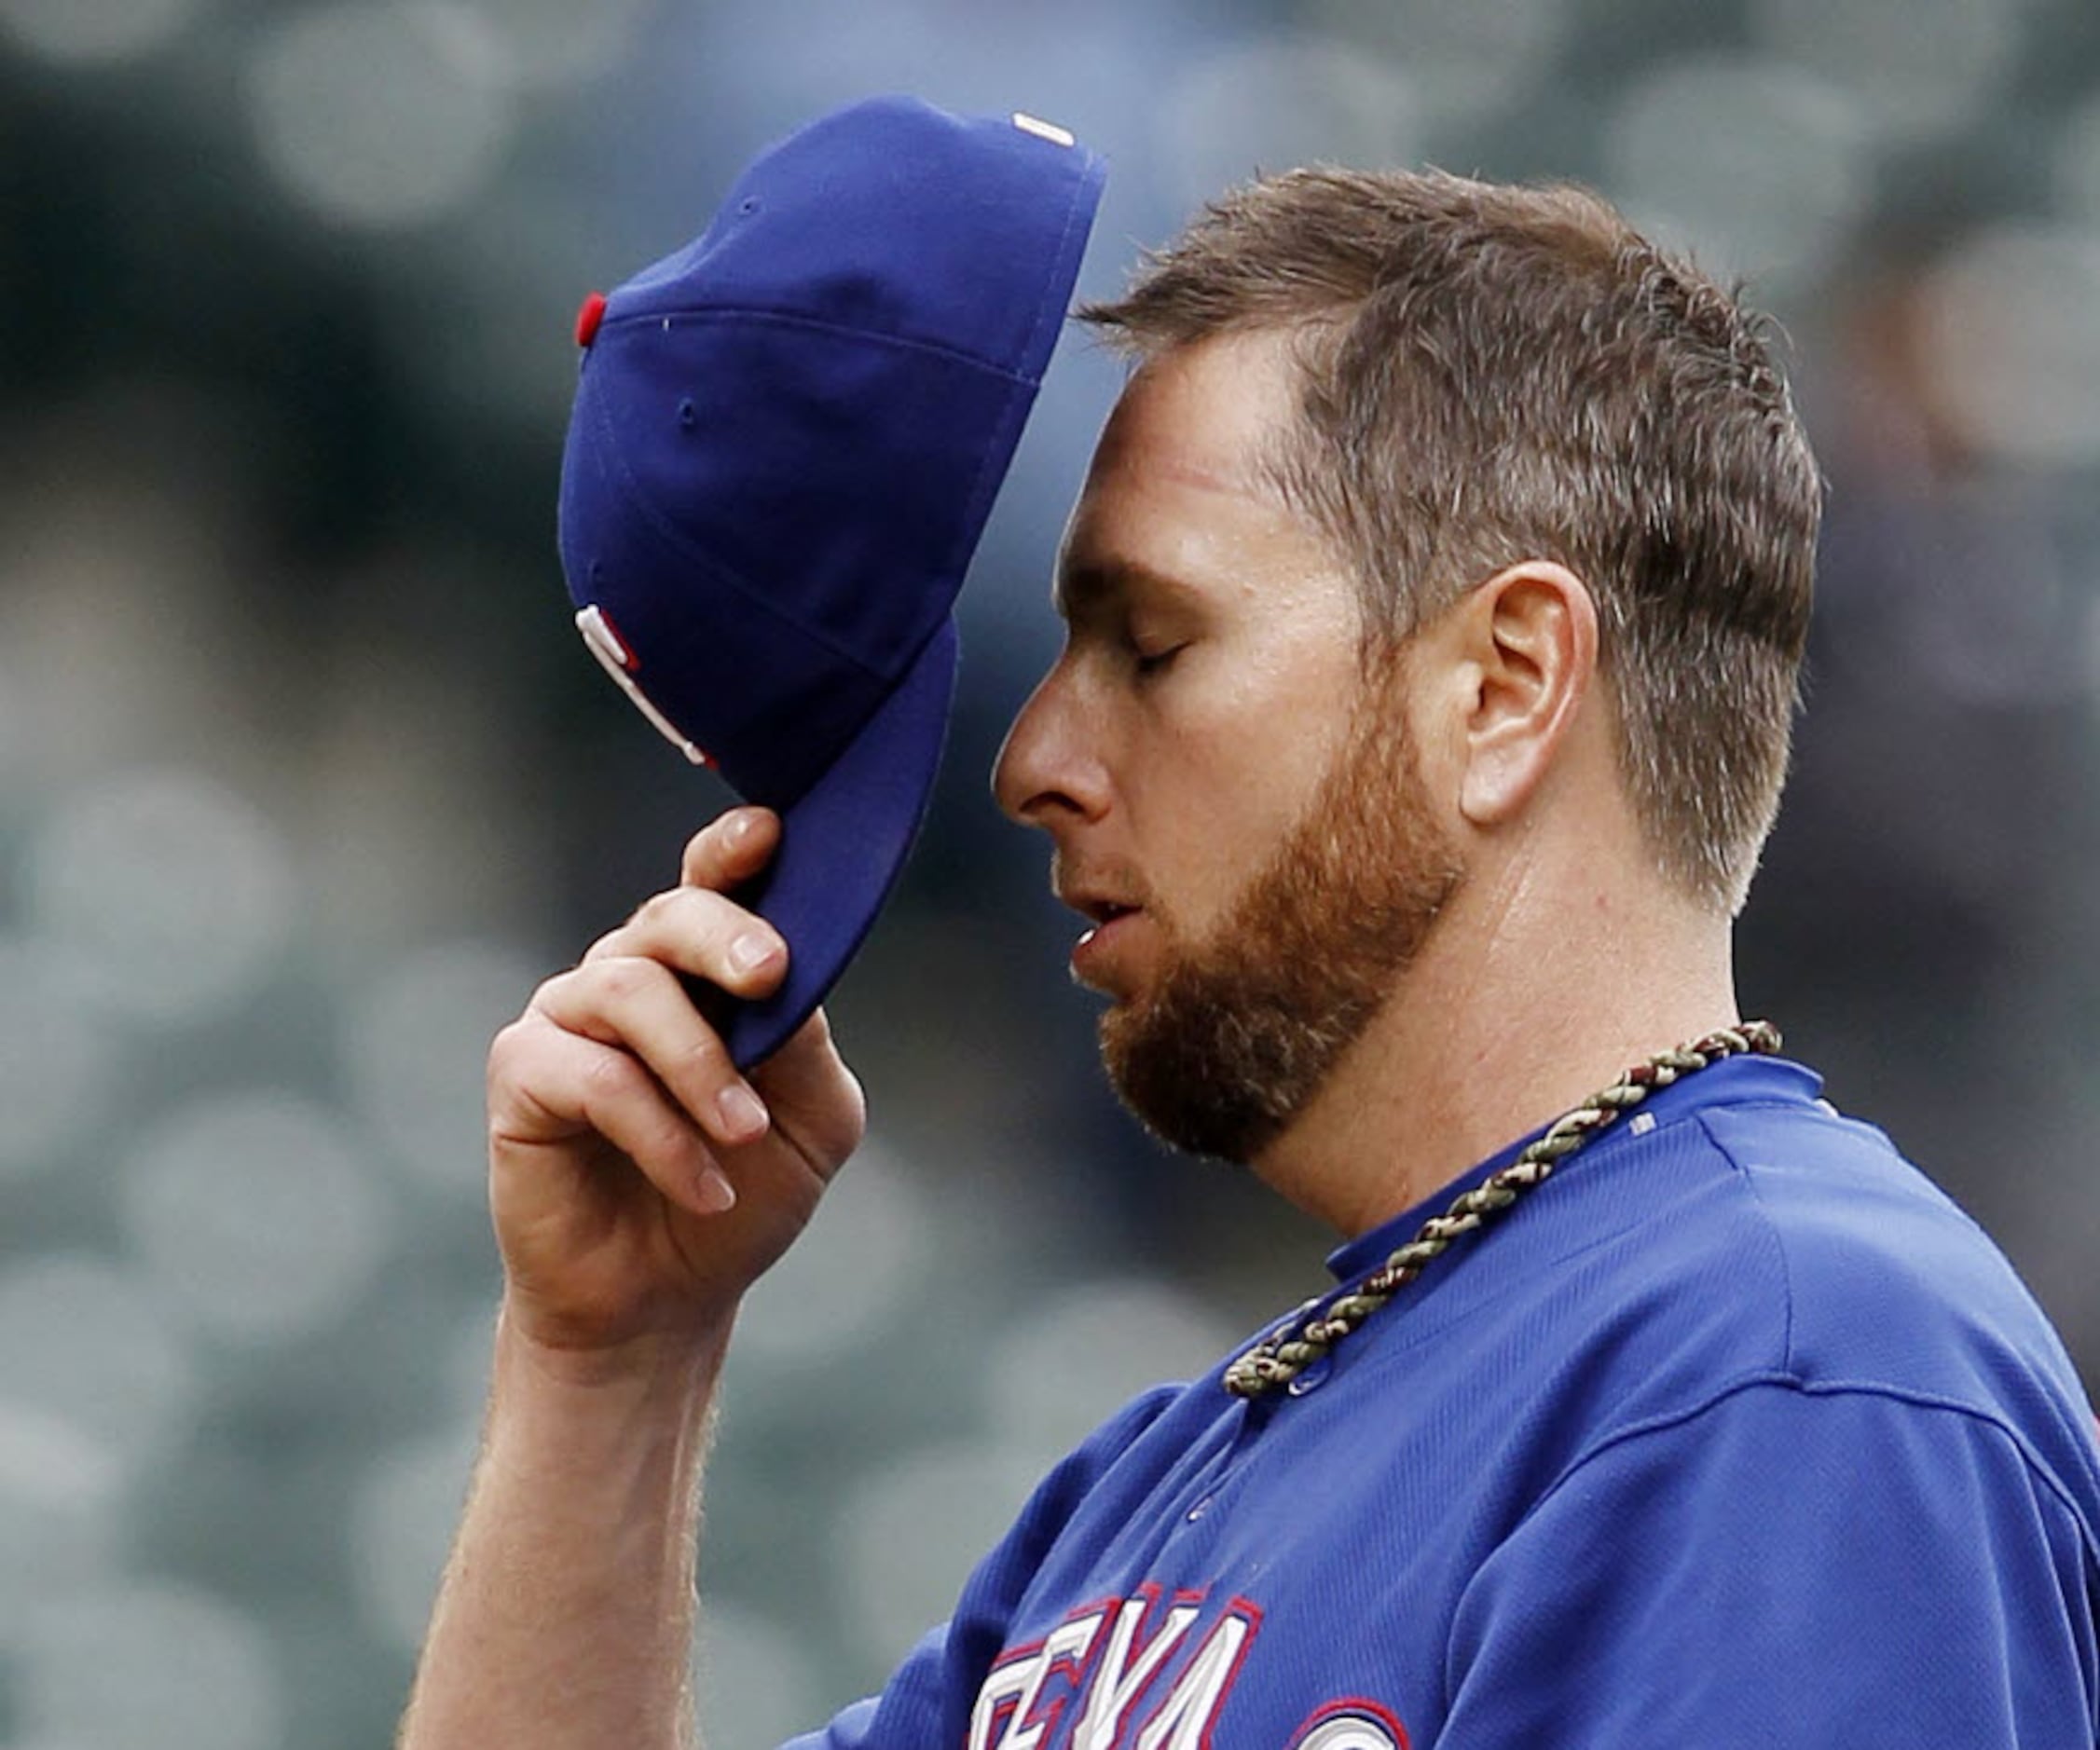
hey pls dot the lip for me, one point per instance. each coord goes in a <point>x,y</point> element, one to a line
<point>1095,904</point>
<point>1095,954</point>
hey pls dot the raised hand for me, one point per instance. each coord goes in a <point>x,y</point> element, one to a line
<point>637,1183</point>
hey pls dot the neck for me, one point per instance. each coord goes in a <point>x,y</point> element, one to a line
<point>1519,1006</point>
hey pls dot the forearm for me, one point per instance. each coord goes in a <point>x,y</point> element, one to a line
<point>565,1618</point>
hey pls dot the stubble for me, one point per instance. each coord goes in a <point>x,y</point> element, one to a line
<point>1244,1025</point>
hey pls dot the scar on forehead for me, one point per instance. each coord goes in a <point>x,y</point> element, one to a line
<point>1247,471</point>
<point>1240,481</point>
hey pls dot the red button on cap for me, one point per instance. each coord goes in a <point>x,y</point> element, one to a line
<point>588,318</point>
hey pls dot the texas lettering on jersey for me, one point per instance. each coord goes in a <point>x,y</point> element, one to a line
<point>1148,1671</point>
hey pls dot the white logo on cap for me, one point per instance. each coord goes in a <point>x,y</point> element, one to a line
<point>605,643</point>
<point>1043,129</point>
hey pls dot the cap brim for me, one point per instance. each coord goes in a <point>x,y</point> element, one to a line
<point>842,846</point>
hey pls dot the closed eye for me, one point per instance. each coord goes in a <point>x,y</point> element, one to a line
<point>1155,662</point>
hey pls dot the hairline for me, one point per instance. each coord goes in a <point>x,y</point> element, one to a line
<point>1288,456</point>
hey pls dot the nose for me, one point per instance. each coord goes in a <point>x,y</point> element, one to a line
<point>1048,771</point>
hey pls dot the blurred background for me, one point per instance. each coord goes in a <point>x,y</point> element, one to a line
<point>305,780</point>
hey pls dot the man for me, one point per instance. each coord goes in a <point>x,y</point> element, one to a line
<point>1434,603</point>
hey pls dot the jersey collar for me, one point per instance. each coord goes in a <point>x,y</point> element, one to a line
<point>1734,1081</point>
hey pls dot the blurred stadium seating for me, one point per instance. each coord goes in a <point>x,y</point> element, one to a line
<point>304,782</point>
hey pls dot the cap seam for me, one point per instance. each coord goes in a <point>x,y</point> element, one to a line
<point>788,319</point>
<point>1072,207</point>
<point>631,488</point>
<point>992,467</point>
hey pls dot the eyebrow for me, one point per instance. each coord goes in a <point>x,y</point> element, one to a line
<point>1083,590</point>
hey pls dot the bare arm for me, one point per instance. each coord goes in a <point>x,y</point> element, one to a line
<point>634,1206</point>
<point>566,1612</point>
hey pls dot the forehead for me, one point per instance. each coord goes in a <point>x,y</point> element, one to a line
<point>1181,477</point>
<point>1207,417</point>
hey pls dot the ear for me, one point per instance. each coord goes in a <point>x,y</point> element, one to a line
<point>1526,640</point>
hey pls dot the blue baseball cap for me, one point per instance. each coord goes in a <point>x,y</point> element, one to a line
<point>785,440</point>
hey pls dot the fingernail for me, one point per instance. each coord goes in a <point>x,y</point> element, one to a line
<point>716,1193</point>
<point>743,1113</point>
<point>751,950</point>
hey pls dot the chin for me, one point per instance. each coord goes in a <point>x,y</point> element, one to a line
<point>1210,1078</point>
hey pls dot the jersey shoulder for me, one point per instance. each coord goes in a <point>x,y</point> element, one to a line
<point>1769,1239</point>
<point>1885,1280</point>
<point>1884,1284</point>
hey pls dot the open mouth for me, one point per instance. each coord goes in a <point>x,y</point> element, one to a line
<point>1101,948</point>
<point>1101,915</point>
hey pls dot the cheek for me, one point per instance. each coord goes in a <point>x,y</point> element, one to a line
<point>1234,774</point>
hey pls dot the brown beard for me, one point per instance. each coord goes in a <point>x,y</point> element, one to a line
<point>1244,1026</point>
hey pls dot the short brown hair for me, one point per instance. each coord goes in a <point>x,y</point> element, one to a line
<point>1496,373</point>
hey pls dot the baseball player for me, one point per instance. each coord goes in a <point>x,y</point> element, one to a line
<point>1433,608</point>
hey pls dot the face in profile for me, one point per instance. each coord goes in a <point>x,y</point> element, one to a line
<point>1229,785</point>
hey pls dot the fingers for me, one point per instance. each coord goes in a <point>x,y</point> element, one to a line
<point>635,1002</point>
<point>731,849</point>
<point>627,995</point>
<point>698,931</point>
<point>806,1078</point>
<point>547,1085</point>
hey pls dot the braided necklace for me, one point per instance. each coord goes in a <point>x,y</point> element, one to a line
<point>1307,1337</point>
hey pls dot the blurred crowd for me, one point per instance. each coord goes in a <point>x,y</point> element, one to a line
<point>305,780</point>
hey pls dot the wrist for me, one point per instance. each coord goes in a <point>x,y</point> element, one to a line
<point>613,1441</point>
<point>665,1364</point>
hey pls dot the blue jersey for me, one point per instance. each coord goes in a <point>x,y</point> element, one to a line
<point>1734,1433</point>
